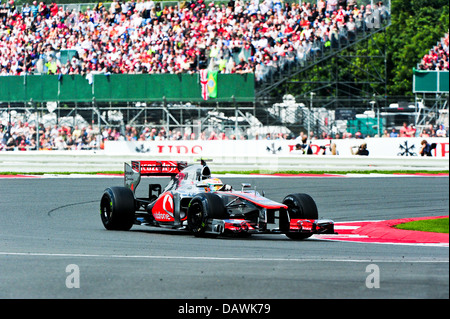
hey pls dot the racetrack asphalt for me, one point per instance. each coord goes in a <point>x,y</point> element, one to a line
<point>51,224</point>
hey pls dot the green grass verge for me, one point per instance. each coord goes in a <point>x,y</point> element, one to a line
<point>439,225</point>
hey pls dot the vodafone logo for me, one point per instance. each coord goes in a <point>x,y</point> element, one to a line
<point>163,209</point>
<point>168,204</point>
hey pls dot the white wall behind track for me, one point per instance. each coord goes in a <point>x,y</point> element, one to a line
<point>263,156</point>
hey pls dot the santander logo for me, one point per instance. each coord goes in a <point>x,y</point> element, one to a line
<point>163,209</point>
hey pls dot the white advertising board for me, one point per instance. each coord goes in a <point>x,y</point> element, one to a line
<point>378,147</point>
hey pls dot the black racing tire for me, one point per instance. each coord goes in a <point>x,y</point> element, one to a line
<point>202,207</point>
<point>117,208</point>
<point>300,206</point>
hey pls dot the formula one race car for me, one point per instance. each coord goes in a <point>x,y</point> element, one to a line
<point>203,205</point>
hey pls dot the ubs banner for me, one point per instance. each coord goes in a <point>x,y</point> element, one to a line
<point>378,147</point>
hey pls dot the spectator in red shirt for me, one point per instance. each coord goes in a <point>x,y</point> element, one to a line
<point>53,9</point>
<point>404,130</point>
<point>411,131</point>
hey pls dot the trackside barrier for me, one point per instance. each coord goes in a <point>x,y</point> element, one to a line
<point>249,149</point>
<point>101,161</point>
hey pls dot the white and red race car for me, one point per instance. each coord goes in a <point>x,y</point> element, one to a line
<point>195,201</point>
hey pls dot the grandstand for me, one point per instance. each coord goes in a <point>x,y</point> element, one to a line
<point>431,86</point>
<point>144,60</point>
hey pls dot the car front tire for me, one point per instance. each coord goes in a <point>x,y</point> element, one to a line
<point>300,206</point>
<point>202,207</point>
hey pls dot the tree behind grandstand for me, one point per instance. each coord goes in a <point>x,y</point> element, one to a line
<point>417,26</point>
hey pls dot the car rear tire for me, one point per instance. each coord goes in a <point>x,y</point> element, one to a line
<point>117,208</point>
<point>202,207</point>
<point>300,206</point>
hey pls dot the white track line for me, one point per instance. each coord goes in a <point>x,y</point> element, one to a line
<point>202,258</point>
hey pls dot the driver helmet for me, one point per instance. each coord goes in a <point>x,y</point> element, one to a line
<point>213,184</point>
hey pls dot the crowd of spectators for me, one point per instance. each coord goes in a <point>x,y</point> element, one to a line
<point>22,136</point>
<point>141,36</point>
<point>411,131</point>
<point>437,57</point>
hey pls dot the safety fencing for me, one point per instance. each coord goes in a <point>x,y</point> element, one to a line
<point>260,156</point>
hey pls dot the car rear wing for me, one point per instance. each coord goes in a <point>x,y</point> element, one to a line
<point>137,169</point>
<point>158,168</point>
